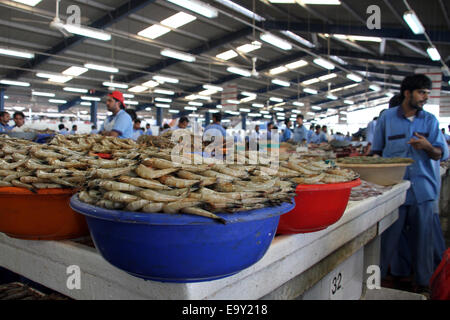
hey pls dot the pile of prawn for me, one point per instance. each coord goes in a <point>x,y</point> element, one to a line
<point>95,143</point>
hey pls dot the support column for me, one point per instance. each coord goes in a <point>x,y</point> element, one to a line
<point>159,116</point>
<point>244,121</point>
<point>94,106</point>
<point>207,118</point>
<point>2,99</point>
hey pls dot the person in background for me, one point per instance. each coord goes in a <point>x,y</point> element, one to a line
<point>370,130</point>
<point>270,127</point>
<point>348,137</point>
<point>62,129</point>
<point>19,120</point>
<point>325,132</point>
<point>254,136</point>
<point>137,131</point>
<point>300,131</point>
<point>74,129</point>
<point>94,129</point>
<point>287,133</point>
<point>119,124</point>
<point>148,130</point>
<point>165,128</point>
<point>446,136</point>
<point>318,137</point>
<point>216,126</point>
<point>409,131</point>
<point>4,119</point>
<point>182,123</point>
<point>310,132</point>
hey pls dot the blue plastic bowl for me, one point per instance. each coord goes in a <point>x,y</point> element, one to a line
<point>179,247</point>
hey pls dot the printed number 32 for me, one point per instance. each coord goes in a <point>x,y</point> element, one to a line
<point>336,283</point>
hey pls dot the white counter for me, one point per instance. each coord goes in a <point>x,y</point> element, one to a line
<point>289,256</point>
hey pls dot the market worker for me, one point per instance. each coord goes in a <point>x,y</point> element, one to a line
<point>409,131</point>
<point>74,129</point>
<point>94,129</point>
<point>182,123</point>
<point>287,133</point>
<point>137,131</point>
<point>446,136</point>
<point>300,131</point>
<point>19,120</point>
<point>215,128</point>
<point>119,124</point>
<point>310,132</point>
<point>148,130</point>
<point>62,129</point>
<point>318,136</point>
<point>4,119</point>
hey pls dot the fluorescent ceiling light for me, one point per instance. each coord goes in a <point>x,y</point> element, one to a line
<point>310,81</point>
<point>46,75</point>
<point>296,64</point>
<point>255,45</point>
<point>332,97</point>
<point>197,96</point>
<point>328,77</point>
<point>174,111</point>
<point>374,87</point>
<point>244,110</point>
<point>213,111</point>
<point>264,112</point>
<point>348,102</point>
<point>16,53</point>
<point>339,60</point>
<point>267,116</point>
<point>212,87</point>
<point>79,90</point>
<point>150,84</point>
<point>131,102</point>
<point>232,101</point>
<point>190,108</point>
<point>297,38</point>
<point>278,70</point>
<point>162,105</point>
<point>316,108</point>
<point>207,92</point>
<point>249,98</point>
<point>296,111</point>
<point>74,71</point>
<point>434,54</point>
<point>177,20</point>
<point>88,98</point>
<point>324,2</point>
<point>248,94</point>
<point>60,79</point>
<point>280,104</point>
<point>298,104</point>
<point>42,94</point>
<point>278,109</point>
<point>324,63</point>
<point>87,32</point>
<point>282,1</point>
<point>275,41</point>
<point>28,2</point>
<point>242,72</point>
<point>163,79</point>
<point>354,77</point>
<point>127,95</point>
<point>413,22</point>
<point>163,99</point>
<point>281,82</point>
<point>311,113</point>
<point>198,7</point>
<point>310,91</point>
<point>14,83</point>
<point>275,99</point>
<point>227,55</point>
<point>240,9</point>
<point>177,55</point>
<point>162,91</point>
<point>148,109</point>
<point>364,38</point>
<point>194,103</point>
<point>258,105</point>
<point>100,67</point>
<point>254,114</point>
<point>153,31</point>
<point>85,103</point>
<point>138,89</point>
<point>115,85</point>
<point>56,101</point>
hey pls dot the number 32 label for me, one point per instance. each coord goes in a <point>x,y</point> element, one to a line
<point>336,286</point>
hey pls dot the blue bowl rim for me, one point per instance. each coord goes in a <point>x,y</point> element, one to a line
<point>175,219</point>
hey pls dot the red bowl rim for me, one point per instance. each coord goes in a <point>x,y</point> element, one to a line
<point>329,186</point>
<point>23,191</point>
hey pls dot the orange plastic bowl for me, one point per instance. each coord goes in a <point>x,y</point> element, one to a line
<point>317,206</point>
<point>45,215</point>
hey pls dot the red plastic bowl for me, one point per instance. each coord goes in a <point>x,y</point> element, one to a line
<point>317,206</point>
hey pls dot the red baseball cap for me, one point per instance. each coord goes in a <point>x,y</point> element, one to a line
<point>118,96</point>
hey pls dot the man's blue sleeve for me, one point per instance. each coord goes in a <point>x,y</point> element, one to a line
<point>379,135</point>
<point>436,138</point>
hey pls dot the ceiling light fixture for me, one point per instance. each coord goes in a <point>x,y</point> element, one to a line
<point>100,67</point>
<point>138,89</point>
<point>177,55</point>
<point>16,53</point>
<point>154,31</point>
<point>413,22</point>
<point>87,32</point>
<point>310,91</point>
<point>115,85</point>
<point>321,2</point>
<point>433,53</point>
<point>177,20</point>
<point>275,41</point>
<point>324,63</point>
<point>42,94</point>
<point>198,7</point>
<point>242,72</point>
<point>354,77</point>
<point>71,89</point>
<point>74,71</point>
<point>281,82</point>
<point>227,55</point>
<point>240,9</point>
<point>163,79</point>
<point>15,83</point>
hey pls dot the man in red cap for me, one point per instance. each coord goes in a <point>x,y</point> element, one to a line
<point>119,124</point>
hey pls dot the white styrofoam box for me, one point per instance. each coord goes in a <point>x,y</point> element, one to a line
<point>343,283</point>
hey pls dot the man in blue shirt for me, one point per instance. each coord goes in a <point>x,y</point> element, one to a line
<point>446,136</point>
<point>148,130</point>
<point>4,119</point>
<point>300,132</point>
<point>215,128</point>
<point>310,132</point>
<point>287,133</point>
<point>74,129</point>
<point>318,136</point>
<point>94,129</point>
<point>409,131</point>
<point>120,123</point>
<point>137,131</point>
